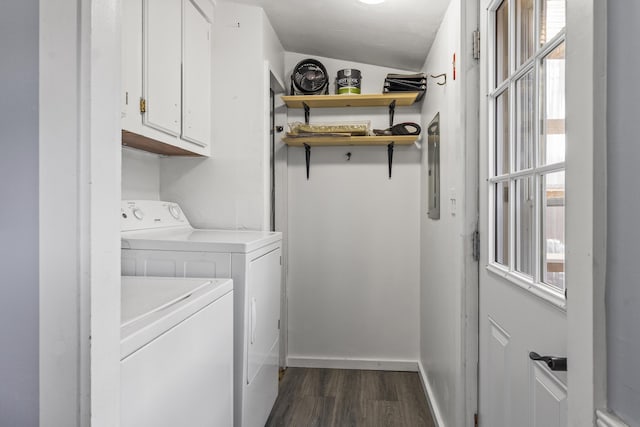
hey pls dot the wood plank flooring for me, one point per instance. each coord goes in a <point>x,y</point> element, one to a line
<point>350,398</point>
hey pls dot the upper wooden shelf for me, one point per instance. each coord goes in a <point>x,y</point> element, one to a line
<point>367,100</point>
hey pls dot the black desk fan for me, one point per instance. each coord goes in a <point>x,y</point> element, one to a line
<point>309,77</point>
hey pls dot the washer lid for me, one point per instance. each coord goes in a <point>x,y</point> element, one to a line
<point>151,306</point>
<point>189,239</point>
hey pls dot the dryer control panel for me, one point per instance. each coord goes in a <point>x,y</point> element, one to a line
<point>150,215</point>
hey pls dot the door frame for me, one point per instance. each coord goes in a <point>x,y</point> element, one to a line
<point>273,81</point>
<point>586,162</point>
<point>470,73</point>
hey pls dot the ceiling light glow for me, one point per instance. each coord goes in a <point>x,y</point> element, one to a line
<point>371,1</point>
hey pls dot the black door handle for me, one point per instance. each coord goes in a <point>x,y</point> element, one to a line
<point>554,363</point>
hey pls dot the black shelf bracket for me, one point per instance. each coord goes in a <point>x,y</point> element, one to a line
<point>307,156</point>
<point>392,112</point>
<point>307,112</point>
<point>390,156</point>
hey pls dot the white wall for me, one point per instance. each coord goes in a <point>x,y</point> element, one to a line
<point>353,280</point>
<point>623,292</point>
<point>228,190</point>
<point>140,175</point>
<point>445,243</point>
<point>19,232</point>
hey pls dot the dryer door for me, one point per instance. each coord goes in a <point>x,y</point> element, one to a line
<point>263,287</point>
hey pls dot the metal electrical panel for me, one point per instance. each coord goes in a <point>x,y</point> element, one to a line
<point>433,168</point>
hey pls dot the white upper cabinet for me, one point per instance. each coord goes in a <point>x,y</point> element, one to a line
<point>196,71</point>
<point>162,49</point>
<point>166,76</point>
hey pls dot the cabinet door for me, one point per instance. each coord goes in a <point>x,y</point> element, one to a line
<point>162,56</point>
<point>196,81</point>
<point>131,54</point>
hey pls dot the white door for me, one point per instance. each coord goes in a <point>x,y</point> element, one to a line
<point>162,36</point>
<point>196,79</point>
<point>522,206</point>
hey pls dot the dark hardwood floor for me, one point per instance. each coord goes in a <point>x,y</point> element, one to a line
<point>345,398</point>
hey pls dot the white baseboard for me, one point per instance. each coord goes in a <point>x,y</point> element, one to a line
<point>366,364</point>
<point>607,419</point>
<point>435,409</point>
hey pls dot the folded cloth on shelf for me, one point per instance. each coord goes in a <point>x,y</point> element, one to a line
<point>350,128</point>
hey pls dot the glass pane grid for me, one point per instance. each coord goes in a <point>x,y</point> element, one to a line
<point>524,122</point>
<point>502,134</point>
<point>553,230</point>
<point>552,106</point>
<point>501,223</point>
<point>502,48</point>
<point>552,19</point>
<point>529,145</point>
<point>524,226</point>
<point>525,30</point>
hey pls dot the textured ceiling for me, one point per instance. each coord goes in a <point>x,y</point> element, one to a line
<point>396,33</point>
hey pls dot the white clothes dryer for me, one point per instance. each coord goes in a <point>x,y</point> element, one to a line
<point>176,351</point>
<point>158,240</point>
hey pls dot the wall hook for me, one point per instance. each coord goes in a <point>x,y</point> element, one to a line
<point>348,156</point>
<point>437,76</point>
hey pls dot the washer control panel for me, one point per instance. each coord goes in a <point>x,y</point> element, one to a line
<point>150,214</point>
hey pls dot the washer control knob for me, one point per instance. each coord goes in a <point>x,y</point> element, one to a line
<point>174,211</point>
<point>137,212</point>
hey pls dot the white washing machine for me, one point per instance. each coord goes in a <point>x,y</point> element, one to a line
<point>157,240</point>
<point>176,352</point>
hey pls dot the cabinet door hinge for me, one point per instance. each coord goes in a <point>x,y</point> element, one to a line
<point>476,44</point>
<point>475,241</point>
<point>278,323</point>
<point>143,105</point>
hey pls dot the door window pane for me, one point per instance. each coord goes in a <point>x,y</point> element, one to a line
<point>552,92</point>
<point>524,121</point>
<point>501,243</point>
<point>502,134</point>
<point>502,42</point>
<point>524,225</point>
<point>524,30</point>
<point>553,221</point>
<point>552,19</point>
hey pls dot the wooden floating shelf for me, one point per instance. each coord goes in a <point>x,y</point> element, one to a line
<point>402,99</point>
<point>318,141</point>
